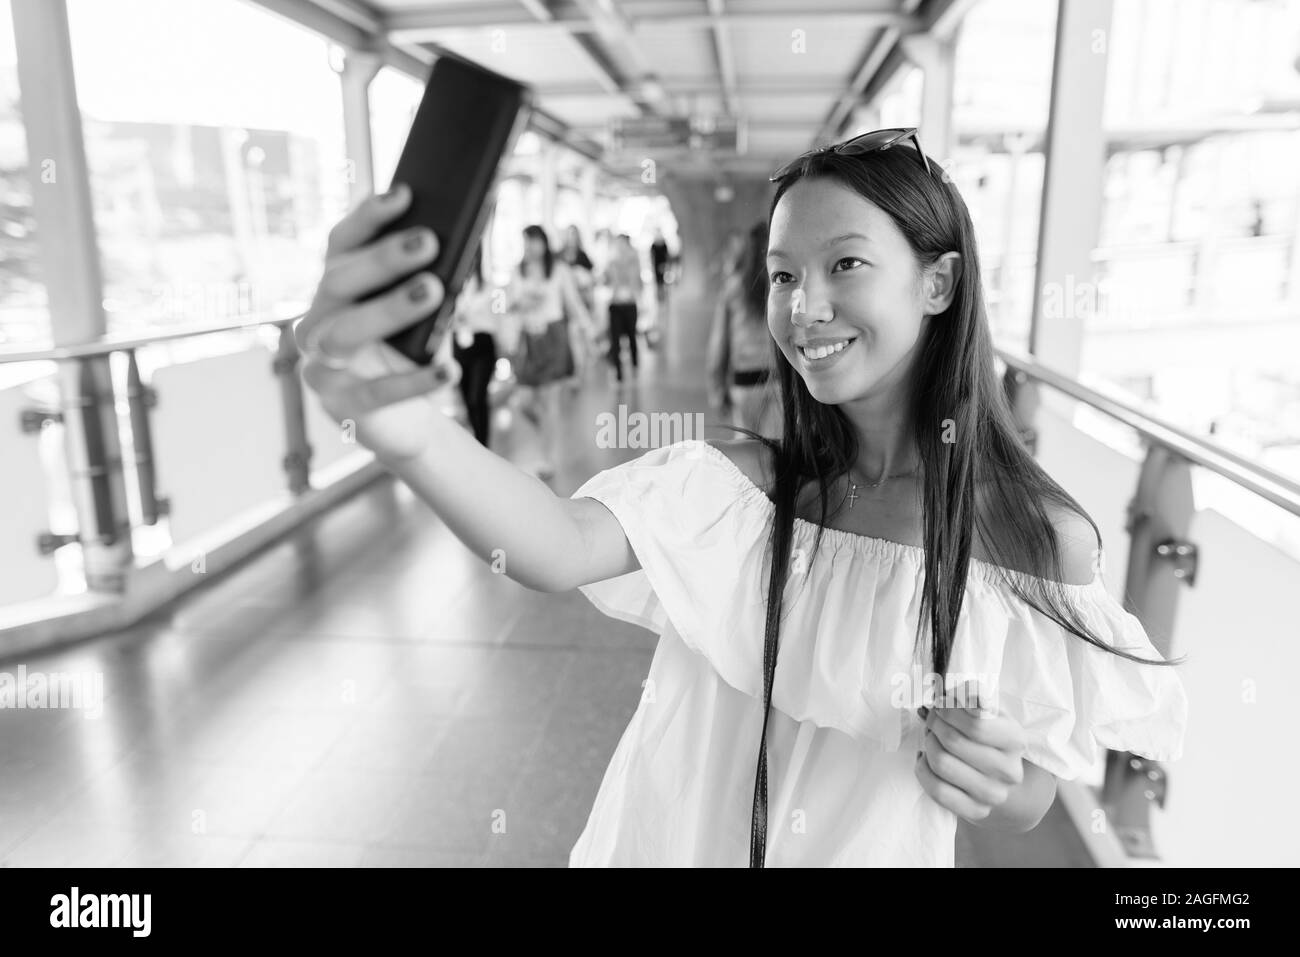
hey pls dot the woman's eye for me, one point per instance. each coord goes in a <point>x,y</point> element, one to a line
<point>780,278</point>
<point>846,259</point>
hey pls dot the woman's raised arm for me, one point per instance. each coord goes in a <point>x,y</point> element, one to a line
<point>513,520</point>
<point>505,516</point>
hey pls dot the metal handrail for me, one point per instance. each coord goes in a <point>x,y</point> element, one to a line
<point>103,346</point>
<point>1264,482</point>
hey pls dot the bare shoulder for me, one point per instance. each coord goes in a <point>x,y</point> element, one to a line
<point>752,457</point>
<point>1078,544</point>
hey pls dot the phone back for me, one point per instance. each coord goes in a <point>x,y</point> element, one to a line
<point>467,121</point>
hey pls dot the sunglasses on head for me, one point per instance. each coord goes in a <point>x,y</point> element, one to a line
<point>866,143</point>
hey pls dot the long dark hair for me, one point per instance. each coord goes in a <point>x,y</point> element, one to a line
<point>548,257</point>
<point>753,273</point>
<point>954,392</point>
<point>571,247</point>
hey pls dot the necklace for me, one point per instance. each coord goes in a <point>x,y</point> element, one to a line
<point>853,487</point>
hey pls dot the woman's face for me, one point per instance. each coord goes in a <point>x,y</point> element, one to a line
<point>841,275</point>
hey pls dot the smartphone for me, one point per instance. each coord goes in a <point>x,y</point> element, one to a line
<point>468,121</point>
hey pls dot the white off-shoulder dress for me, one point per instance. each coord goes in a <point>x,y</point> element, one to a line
<point>844,733</point>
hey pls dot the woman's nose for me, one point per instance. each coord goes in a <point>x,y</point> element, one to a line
<point>808,308</point>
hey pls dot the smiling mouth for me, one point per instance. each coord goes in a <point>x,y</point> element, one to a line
<point>818,353</point>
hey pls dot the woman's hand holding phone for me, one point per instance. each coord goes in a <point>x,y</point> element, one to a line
<point>357,375</point>
<point>494,508</point>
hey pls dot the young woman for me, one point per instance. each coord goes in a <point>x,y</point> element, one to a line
<point>897,540</point>
<point>474,348</point>
<point>581,338</point>
<point>545,297</point>
<point>731,257</point>
<point>740,347</point>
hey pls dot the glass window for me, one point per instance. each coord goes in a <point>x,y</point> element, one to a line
<point>1199,274</point>
<point>216,176</point>
<point>1002,80</point>
<point>394,97</point>
<point>504,246</point>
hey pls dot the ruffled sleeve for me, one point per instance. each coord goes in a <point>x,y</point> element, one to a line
<point>699,527</point>
<point>691,534</point>
<point>848,659</point>
<point>1070,696</point>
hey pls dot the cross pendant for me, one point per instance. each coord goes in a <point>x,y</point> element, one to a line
<point>853,494</point>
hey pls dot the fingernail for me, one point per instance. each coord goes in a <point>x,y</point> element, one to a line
<point>414,242</point>
<point>420,291</point>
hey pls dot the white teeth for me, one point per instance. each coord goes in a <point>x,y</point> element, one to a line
<point>821,352</point>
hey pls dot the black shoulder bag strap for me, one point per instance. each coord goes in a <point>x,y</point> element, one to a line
<point>771,635</point>
<point>758,823</point>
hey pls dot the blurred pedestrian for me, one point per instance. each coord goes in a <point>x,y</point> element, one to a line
<point>474,347</point>
<point>624,277</point>
<point>581,337</point>
<point>543,295</point>
<point>740,345</point>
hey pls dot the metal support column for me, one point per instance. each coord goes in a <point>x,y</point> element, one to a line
<point>1073,184</point>
<point>1162,561</point>
<point>588,181</point>
<point>1023,397</point>
<point>297,458</point>
<point>359,69</point>
<point>548,175</point>
<point>934,56</point>
<point>140,400</point>
<point>65,231</point>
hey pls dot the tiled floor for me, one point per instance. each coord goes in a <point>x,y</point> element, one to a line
<point>364,693</point>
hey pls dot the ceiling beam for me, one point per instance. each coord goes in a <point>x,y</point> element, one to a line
<point>758,87</point>
<point>873,58</point>
<point>695,165</point>
<point>421,23</point>
<point>549,125</point>
<point>319,20</point>
<point>878,19</point>
<point>363,14</point>
<point>775,124</point>
<point>348,23</point>
<point>541,13</point>
<point>884,57</point>
<point>414,21</point>
<point>351,24</point>
<point>553,128</point>
<point>943,17</point>
<point>612,35</point>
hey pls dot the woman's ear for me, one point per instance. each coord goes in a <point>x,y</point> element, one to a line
<point>941,283</point>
